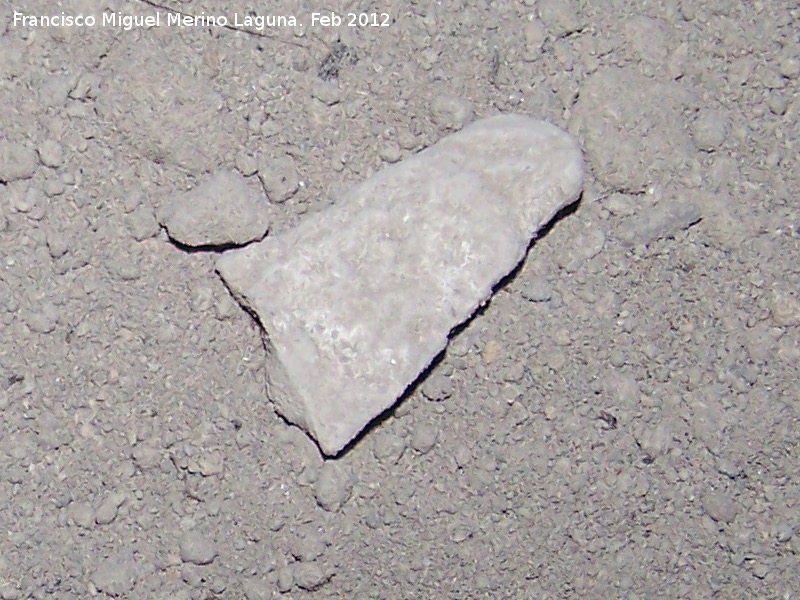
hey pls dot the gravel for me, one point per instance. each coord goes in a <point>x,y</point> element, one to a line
<point>143,383</point>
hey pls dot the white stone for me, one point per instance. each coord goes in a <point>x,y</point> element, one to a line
<point>359,299</point>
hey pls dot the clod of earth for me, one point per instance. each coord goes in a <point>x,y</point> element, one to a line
<point>221,211</point>
<point>359,299</point>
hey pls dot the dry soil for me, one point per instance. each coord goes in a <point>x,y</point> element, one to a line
<point>620,422</point>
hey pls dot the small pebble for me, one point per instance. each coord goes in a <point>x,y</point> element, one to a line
<point>491,351</point>
<point>256,588</point>
<point>709,130</point>
<point>55,90</point>
<point>437,386</point>
<point>560,16</point>
<point>114,578</point>
<point>225,308</point>
<point>648,38</point>
<point>617,358</point>
<point>662,221</point>
<point>388,449</point>
<point>85,87</point>
<point>51,154</point>
<point>390,153</point>
<point>785,309</point>
<point>536,289</point>
<point>191,575</point>
<point>107,511</point>
<point>16,162</point>
<point>728,467</point>
<point>269,128</point>
<point>309,544</point>
<point>53,187</point>
<point>82,514</point>
<point>211,464</point>
<point>197,549</point>
<point>760,569</point>
<point>279,178</point>
<point>310,576</point>
<point>621,205</point>
<point>142,223</point>
<point>586,244</point>
<point>657,440</point>
<point>246,165</point>
<point>327,92</point>
<point>124,268</point>
<point>461,455</point>
<point>451,113</point>
<point>790,67</point>
<point>535,36</point>
<point>720,507</point>
<point>647,139</point>
<point>777,103</point>
<point>221,210</point>
<point>783,531</point>
<point>42,321</point>
<point>32,203</point>
<point>57,243</point>
<point>285,580</point>
<point>688,11</point>
<point>333,486</point>
<point>424,437</point>
<point>146,457</point>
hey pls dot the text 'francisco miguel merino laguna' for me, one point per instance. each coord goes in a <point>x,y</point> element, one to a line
<point>128,22</point>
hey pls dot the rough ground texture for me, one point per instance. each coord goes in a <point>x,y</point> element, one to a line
<point>622,419</point>
<point>360,298</point>
<point>221,211</point>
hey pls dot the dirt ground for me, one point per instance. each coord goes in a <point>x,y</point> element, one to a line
<point>622,421</point>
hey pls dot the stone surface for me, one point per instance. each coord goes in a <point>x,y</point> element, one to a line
<point>220,211</point>
<point>359,299</point>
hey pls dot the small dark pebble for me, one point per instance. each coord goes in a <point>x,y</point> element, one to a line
<point>340,54</point>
